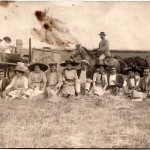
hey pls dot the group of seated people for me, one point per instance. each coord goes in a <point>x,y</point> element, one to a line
<point>39,79</point>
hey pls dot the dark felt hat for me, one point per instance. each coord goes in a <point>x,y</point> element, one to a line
<point>69,61</point>
<point>52,63</point>
<point>112,67</point>
<point>102,33</point>
<point>6,38</point>
<point>134,69</point>
<point>42,66</point>
<point>100,64</point>
<point>21,67</point>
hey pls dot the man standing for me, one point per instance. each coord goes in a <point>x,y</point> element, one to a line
<point>103,50</point>
<point>115,81</point>
<point>85,76</point>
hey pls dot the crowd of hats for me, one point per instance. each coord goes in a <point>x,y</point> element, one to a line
<point>22,68</point>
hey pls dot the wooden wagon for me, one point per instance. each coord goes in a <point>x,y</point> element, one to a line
<point>45,55</point>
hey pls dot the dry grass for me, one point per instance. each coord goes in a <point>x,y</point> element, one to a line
<point>90,122</point>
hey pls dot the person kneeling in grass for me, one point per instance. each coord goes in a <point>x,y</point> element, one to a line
<point>54,80</point>
<point>19,83</point>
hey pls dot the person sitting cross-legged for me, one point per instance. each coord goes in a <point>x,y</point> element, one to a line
<point>19,83</point>
<point>54,80</point>
<point>85,75</point>
<point>115,81</point>
<point>100,80</point>
<point>69,78</point>
<point>131,83</point>
<point>37,80</point>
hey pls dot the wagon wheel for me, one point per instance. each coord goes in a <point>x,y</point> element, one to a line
<point>46,59</point>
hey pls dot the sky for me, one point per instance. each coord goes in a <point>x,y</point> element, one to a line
<point>126,24</point>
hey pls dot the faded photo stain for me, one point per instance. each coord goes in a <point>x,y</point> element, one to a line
<point>53,31</point>
<point>5,4</point>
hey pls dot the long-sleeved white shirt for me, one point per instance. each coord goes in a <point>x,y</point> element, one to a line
<point>17,83</point>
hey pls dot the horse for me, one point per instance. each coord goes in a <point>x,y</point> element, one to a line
<point>85,54</point>
<point>90,56</point>
<point>136,61</point>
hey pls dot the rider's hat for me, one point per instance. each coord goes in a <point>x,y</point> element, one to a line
<point>102,33</point>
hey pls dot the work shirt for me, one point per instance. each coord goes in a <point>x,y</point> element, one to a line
<point>100,78</point>
<point>5,47</point>
<point>18,82</point>
<point>131,82</point>
<point>53,78</point>
<point>144,84</point>
<point>70,74</point>
<point>104,46</point>
<point>83,76</point>
<point>112,78</point>
<point>0,84</point>
<point>37,79</point>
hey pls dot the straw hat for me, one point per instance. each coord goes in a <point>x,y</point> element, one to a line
<point>42,66</point>
<point>69,61</point>
<point>21,67</point>
<point>85,62</point>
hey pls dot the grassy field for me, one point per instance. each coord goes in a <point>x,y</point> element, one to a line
<point>91,122</point>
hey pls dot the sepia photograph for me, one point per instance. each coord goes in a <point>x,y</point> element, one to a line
<point>74,74</point>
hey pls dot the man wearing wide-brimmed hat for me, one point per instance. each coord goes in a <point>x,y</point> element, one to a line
<point>54,80</point>
<point>99,79</point>
<point>131,83</point>
<point>104,46</point>
<point>69,78</point>
<point>37,80</point>
<point>19,83</point>
<point>85,75</point>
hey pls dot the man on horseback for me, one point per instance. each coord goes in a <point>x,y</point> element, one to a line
<point>103,50</point>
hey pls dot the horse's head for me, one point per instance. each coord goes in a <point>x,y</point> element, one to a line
<point>76,51</point>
